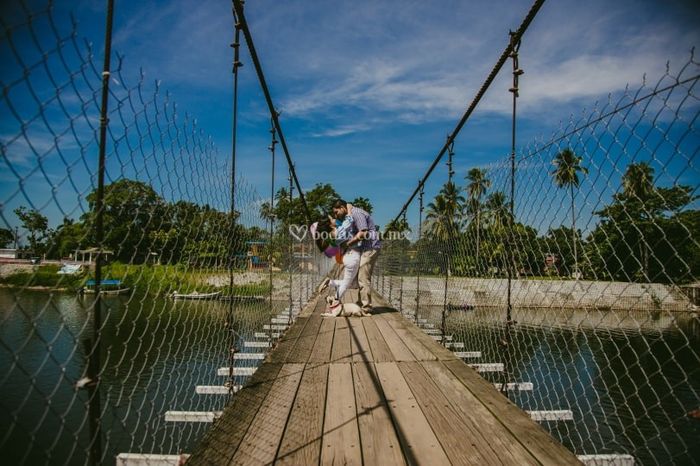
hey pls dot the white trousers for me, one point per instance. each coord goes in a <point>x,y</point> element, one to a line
<point>351,263</point>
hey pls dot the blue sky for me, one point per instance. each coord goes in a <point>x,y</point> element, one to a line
<point>368,90</point>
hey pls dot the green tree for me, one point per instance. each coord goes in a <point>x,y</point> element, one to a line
<point>476,188</point>
<point>566,174</point>
<point>497,211</point>
<point>7,238</point>
<point>443,217</point>
<point>362,203</point>
<point>67,238</point>
<point>132,210</point>
<point>291,212</point>
<point>646,234</point>
<point>36,225</point>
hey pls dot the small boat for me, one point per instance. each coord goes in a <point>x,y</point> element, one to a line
<point>107,287</point>
<point>70,269</point>
<point>195,295</point>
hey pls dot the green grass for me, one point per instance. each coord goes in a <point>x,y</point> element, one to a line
<point>164,279</point>
<point>152,279</point>
<point>45,275</point>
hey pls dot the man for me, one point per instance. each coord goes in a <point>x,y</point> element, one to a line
<point>366,240</point>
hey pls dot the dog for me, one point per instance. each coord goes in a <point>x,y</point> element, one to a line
<point>336,308</point>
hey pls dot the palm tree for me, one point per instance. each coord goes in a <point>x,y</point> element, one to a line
<point>568,166</point>
<point>454,202</point>
<point>498,212</point>
<point>638,181</point>
<point>637,190</point>
<point>498,218</point>
<point>267,212</point>
<point>444,214</point>
<point>477,187</point>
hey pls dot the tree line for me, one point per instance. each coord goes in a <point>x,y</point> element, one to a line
<point>140,225</point>
<point>647,233</point>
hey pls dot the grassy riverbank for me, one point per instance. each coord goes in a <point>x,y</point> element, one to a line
<point>45,276</point>
<point>152,279</point>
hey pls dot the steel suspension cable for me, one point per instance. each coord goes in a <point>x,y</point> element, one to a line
<point>484,87</point>
<point>238,5</point>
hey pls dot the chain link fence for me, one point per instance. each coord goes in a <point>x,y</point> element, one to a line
<point>196,281</point>
<point>580,300</point>
<point>566,275</point>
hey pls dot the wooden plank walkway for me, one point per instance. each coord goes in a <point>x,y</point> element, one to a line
<point>371,390</point>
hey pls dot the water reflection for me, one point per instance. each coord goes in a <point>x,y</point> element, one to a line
<point>154,353</point>
<point>630,377</point>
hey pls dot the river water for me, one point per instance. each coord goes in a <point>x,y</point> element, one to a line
<point>630,378</point>
<point>629,387</point>
<point>154,353</point>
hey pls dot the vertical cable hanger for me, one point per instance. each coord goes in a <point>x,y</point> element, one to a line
<point>421,193</point>
<point>231,332</point>
<point>291,244</point>
<point>271,212</point>
<point>509,249</point>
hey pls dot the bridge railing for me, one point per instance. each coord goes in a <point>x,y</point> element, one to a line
<point>579,299</point>
<point>132,340</point>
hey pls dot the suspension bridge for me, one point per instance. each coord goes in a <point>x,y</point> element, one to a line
<point>544,313</point>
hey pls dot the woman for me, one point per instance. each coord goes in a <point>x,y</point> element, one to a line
<point>341,231</point>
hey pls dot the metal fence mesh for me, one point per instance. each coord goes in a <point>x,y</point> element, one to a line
<point>585,294</point>
<point>579,302</point>
<point>171,240</point>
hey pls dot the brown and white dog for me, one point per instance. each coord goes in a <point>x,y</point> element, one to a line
<point>336,308</point>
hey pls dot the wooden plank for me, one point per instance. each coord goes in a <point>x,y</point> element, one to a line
<point>305,343</point>
<point>341,438</point>
<point>342,350</point>
<point>533,437</point>
<point>398,348</point>
<point>441,337</point>
<point>380,444</point>
<point>266,335</point>
<point>607,460</point>
<point>468,354</point>
<point>192,416</point>
<point>321,351</point>
<point>249,356</point>
<point>420,352</point>
<point>288,341</point>
<point>240,371</point>
<point>216,389</point>
<point>259,446</point>
<point>418,441</point>
<point>461,440</point>
<point>257,344</point>
<point>552,415</point>
<point>380,350</point>
<point>301,443</point>
<point>488,367</point>
<point>359,346</point>
<point>440,352</point>
<point>221,441</point>
<point>515,386</point>
<point>489,433</point>
<point>275,327</point>
<point>141,459</point>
